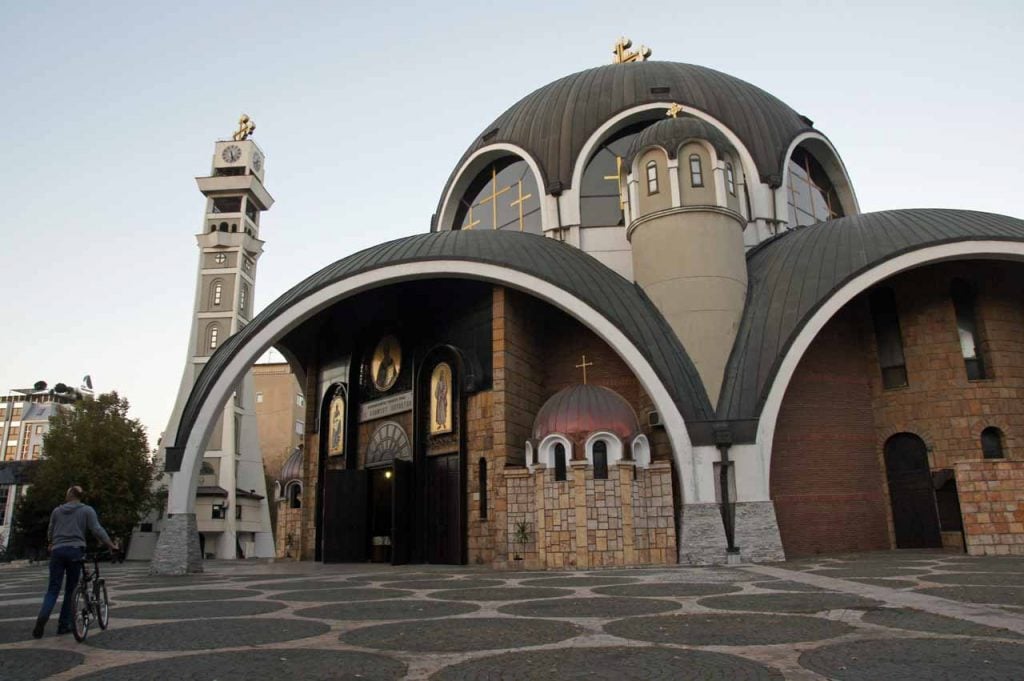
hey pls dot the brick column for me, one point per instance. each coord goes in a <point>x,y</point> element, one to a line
<point>625,469</point>
<point>579,497</point>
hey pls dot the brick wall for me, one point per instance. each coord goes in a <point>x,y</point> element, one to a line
<point>992,506</point>
<point>826,479</point>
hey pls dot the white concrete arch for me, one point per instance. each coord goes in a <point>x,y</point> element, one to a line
<point>753,482</point>
<point>612,441</point>
<point>182,498</point>
<point>546,449</point>
<point>570,199</point>
<point>823,151</point>
<point>475,163</point>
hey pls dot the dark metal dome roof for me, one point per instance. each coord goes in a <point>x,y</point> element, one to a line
<point>585,409</point>
<point>792,275</point>
<point>292,468</point>
<point>671,132</point>
<point>554,122</point>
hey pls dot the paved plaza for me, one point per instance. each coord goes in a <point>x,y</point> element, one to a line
<point>890,615</point>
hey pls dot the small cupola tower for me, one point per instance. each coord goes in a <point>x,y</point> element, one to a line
<point>685,223</point>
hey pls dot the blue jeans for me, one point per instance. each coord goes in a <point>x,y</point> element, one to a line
<point>63,560</point>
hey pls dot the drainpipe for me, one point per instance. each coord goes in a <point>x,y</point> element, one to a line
<point>723,440</point>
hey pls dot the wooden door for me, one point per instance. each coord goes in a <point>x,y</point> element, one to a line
<point>915,516</point>
<point>344,521</point>
<point>443,510</point>
<point>402,513</point>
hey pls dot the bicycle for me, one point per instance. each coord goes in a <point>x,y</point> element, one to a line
<point>90,599</point>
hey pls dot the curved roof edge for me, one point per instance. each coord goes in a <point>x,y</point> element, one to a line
<point>794,274</point>
<point>622,303</point>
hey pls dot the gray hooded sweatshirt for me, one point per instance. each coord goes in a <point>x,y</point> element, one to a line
<point>68,523</point>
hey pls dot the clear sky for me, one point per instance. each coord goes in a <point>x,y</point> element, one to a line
<point>110,109</point>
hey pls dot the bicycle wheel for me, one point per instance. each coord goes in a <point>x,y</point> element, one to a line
<point>102,604</point>
<point>80,613</point>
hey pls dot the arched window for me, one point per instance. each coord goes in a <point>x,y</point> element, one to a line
<point>992,443</point>
<point>216,292</point>
<point>696,172</point>
<point>295,495</point>
<point>967,328</point>
<point>601,200</point>
<point>652,177</point>
<point>888,337</point>
<point>730,179</point>
<point>600,460</point>
<point>207,469</point>
<point>482,481</point>
<point>812,197</point>
<point>212,334</point>
<point>504,196</point>
<point>243,298</point>
<point>559,462</point>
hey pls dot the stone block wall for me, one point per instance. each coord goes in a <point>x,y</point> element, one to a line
<point>992,506</point>
<point>288,533</point>
<point>480,444</point>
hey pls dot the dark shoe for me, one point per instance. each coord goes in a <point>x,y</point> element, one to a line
<point>61,631</point>
<point>37,631</point>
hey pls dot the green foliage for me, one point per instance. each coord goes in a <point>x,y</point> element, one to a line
<point>99,447</point>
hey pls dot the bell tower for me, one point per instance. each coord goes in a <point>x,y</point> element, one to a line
<point>232,508</point>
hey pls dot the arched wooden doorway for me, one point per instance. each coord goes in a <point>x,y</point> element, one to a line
<point>915,516</point>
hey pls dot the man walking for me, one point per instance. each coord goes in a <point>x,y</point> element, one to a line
<point>66,537</point>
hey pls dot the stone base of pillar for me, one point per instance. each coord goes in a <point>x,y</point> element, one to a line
<point>702,540</point>
<point>757,532</point>
<point>177,549</point>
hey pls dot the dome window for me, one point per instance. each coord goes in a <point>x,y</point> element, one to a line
<point>696,171</point>
<point>601,193</point>
<point>502,196</point>
<point>600,456</point>
<point>559,456</point>
<point>812,197</point>
<point>730,179</point>
<point>652,177</point>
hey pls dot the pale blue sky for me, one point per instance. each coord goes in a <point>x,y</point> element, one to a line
<point>109,110</point>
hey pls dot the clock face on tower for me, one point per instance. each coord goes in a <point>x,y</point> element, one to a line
<point>257,162</point>
<point>231,153</point>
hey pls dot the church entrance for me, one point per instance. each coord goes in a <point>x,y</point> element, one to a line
<point>911,493</point>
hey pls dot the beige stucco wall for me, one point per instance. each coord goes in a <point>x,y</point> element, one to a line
<point>277,413</point>
<point>690,195</point>
<point>692,266</point>
<point>662,199</point>
<point>227,295</point>
<point>210,262</point>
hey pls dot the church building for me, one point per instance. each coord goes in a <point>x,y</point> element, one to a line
<point>649,324</point>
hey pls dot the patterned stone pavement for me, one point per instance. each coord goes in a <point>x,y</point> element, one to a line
<point>888,615</point>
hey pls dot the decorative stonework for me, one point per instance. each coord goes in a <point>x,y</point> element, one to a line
<point>703,535</point>
<point>757,532</point>
<point>177,550</point>
<point>992,506</point>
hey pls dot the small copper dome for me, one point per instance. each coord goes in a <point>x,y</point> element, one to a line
<point>292,468</point>
<point>585,409</point>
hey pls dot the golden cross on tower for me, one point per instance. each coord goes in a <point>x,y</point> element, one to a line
<point>583,365</point>
<point>519,202</point>
<point>623,54</point>
<point>493,198</point>
<point>674,111</point>
<point>246,127</point>
<point>617,178</point>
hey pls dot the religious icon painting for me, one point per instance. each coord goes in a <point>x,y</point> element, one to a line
<point>336,425</point>
<point>441,399</point>
<point>386,363</point>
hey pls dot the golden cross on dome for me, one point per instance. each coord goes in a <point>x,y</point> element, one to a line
<point>493,198</point>
<point>674,111</point>
<point>246,127</point>
<point>583,365</point>
<point>519,202</point>
<point>623,54</point>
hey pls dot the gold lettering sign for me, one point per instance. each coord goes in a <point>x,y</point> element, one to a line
<point>386,363</point>
<point>441,399</point>
<point>336,425</point>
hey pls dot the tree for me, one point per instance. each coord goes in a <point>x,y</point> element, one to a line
<point>95,445</point>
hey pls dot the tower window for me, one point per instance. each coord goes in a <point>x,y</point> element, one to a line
<point>730,179</point>
<point>888,337</point>
<point>696,172</point>
<point>251,211</point>
<point>212,336</point>
<point>220,258</point>
<point>992,443</point>
<point>559,462</point>
<point>243,296</point>
<point>967,328</point>
<point>227,204</point>
<point>295,496</point>
<point>218,290</point>
<point>600,460</point>
<point>652,178</point>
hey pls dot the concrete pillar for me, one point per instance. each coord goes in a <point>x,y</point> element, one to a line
<point>177,549</point>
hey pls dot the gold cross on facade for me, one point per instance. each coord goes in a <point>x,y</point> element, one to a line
<point>470,222</point>
<point>519,202</point>
<point>623,54</point>
<point>493,198</point>
<point>674,111</point>
<point>246,127</point>
<point>617,178</point>
<point>583,365</point>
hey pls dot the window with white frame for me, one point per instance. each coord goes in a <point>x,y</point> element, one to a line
<point>730,179</point>
<point>696,171</point>
<point>652,177</point>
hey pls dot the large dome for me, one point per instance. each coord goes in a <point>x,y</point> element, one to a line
<point>583,409</point>
<point>554,123</point>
